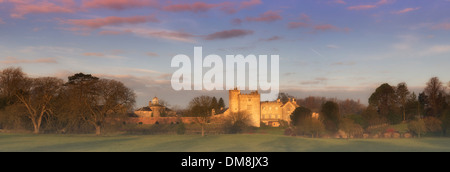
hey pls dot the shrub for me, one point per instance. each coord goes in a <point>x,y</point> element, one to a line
<point>310,126</point>
<point>350,128</point>
<point>181,129</point>
<point>418,127</point>
<point>433,124</point>
<point>236,123</point>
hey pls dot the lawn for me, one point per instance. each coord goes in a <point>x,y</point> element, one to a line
<point>218,143</point>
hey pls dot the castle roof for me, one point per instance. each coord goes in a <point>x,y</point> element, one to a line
<point>144,109</point>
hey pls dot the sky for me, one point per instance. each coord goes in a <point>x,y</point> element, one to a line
<point>334,48</point>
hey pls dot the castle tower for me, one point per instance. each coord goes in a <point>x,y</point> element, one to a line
<point>246,103</point>
<point>234,100</point>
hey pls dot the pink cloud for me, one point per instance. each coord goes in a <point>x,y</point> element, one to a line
<point>326,27</point>
<point>152,54</point>
<point>195,7</point>
<point>236,21</point>
<point>119,4</point>
<point>295,25</point>
<point>14,60</point>
<point>370,6</point>
<point>94,54</point>
<point>101,55</point>
<point>406,10</point>
<point>442,26</point>
<point>111,32</point>
<point>361,7</point>
<point>339,2</point>
<point>24,7</point>
<point>250,3</point>
<point>229,34</point>
<point>156,33</point>
<point>382,2</point>
<point>268,16</point>
<point>273,38</point>
<point>112,20</point>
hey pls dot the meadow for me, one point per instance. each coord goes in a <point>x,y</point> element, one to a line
<point>259,142</point>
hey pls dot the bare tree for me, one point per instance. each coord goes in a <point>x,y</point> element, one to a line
<point>403,94</point>
<point>200,107</point>
<point>11,80</point>
<point>435,92</point>
<point>37,95</point>
<point>106,99</point>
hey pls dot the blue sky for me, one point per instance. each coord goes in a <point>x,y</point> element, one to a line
<point>332,48</point>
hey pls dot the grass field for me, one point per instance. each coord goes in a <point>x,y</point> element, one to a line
<point>220,143</point>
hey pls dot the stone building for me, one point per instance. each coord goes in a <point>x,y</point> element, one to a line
<point>273,112</point>
<point>269,113</point>
<point>154,110</point>
<point>245,103</point>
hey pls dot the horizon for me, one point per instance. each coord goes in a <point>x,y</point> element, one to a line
<point>340,49</point>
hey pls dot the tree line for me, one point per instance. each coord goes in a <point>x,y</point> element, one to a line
<point>82,104</point>
<point>388,105</point>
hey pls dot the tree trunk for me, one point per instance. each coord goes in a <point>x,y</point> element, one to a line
<point>36,128</point>
<point>404,114</point>
<point>98,130</point>
<point>203,131</point>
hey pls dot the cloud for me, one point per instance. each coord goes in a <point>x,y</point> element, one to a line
<point>112,20</point>
<point>236,21</point>
<point>119,4</point>
<point>111,32</point>
<point>24,7</point>
<point>250,3</point>
<point>14,60</point>
<point>339,2</point>
<point>155,33</point>
<point>295,25</point>
<point>326,27</point>
<point>152,54</point>
<point>316,81</point>
<point>269,16</point>
<point>195,7</point>
<point>361,7</point>
<point>406,10</point>
<point>227,34</point>
<point>1,21</point>
<point>437,49</point>
<point>94,54</point>
<point>102,55</point>
<point>273,38</point>
<point>442,26</point>
<point>343,64</point>
<point>383,2</point>
<point>370,6</point>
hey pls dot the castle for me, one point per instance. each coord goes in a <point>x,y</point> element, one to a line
<point>269,113</point>
<point>155,110</point>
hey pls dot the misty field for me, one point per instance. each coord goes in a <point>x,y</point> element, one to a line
<point>219,143</point>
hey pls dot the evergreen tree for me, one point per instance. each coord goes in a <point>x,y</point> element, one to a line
<point>221,104</point>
